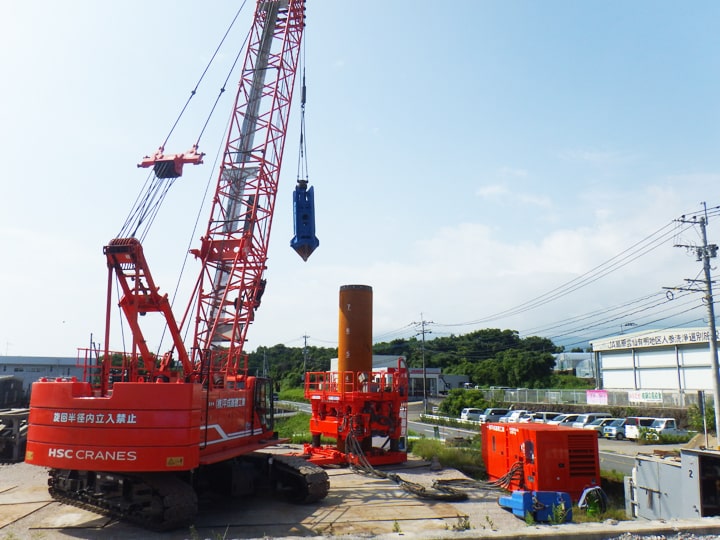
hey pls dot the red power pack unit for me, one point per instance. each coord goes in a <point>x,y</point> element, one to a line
<point>542,457</point>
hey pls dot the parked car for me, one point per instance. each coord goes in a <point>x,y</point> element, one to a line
<point>512,416</point>
<point>563,419</point>
<point>598,424</point>
<point>538,417</point>
<point>587,418</point>
<point>666,426</point>
<point>493,414</point>
<point>633,425</point>
<point>470,413</point>
<point>615,429</point>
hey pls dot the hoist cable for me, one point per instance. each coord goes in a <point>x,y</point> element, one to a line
<point>191,239</point>
<point>302,168</point>
<point>136,207</point>
<point>153,192</point>
<point>222,89</point>
<point>202,76</point>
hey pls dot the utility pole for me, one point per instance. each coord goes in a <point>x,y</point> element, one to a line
<point>305,338</point>
<point>704,253</point>
<point>422,332</point>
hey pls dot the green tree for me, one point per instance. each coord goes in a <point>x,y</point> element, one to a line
<point>458,399</point>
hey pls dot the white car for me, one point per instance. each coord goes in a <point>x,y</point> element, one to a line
<point>470,413</point>
<point>666,426</point>
<point>563,420</point>
<point>493,414</point>
<point>633,425</point>
<point>540,417</point>
<point>588,418</point>
<point>599,424</point>
<point>513,416</point>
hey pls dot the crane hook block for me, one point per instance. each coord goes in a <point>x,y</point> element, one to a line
<point>304,242</point>
<point>171,166</point>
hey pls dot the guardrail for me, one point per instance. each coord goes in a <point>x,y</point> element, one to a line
<point>615,398</point>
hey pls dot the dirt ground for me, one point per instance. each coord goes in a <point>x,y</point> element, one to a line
<point>357,507</point>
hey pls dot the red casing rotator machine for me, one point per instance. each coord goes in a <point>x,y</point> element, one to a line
<point>355,404</point>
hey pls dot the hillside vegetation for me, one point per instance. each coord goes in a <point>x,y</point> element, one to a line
<point>489,357</point>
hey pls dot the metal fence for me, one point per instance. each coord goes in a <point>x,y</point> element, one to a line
<point>615,398</point>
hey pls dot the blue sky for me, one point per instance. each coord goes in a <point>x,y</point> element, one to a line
<point>467,157</point>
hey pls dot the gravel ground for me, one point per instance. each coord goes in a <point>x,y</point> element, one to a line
<point>357,508</point>
<point>678,536</point>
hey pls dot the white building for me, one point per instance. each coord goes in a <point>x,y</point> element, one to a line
<point>435,382</point>
<point>677,360</point>
<point>581,363</point>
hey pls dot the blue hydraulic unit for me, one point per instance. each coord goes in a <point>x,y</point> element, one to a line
<point>304,242</point>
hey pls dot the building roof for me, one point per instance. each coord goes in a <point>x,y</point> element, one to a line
<point>653,338</point>
<point>37,361</point>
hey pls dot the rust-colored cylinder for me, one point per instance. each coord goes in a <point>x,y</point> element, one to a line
<point>355,328</point>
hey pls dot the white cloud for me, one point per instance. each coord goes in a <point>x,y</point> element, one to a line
<point>512,172</point>
<point>535,200</point>
<point>491,190</point>
<point>596,157</point>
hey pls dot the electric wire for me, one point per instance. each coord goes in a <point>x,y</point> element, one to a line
<point>630,254</point>
<point>679,325</point>
<point>590,315</point>
<point>390,333</point>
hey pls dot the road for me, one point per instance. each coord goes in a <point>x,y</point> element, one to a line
<point>614,455</point>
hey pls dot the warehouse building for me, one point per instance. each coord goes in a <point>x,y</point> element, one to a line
<point>678,360</point>
<point>30,368</point>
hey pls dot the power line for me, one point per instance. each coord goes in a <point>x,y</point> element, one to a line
<point>630,254</point>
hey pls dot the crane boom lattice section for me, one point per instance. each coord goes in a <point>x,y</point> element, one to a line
<point>234,249</point>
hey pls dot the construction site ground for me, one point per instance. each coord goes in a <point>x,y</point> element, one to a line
<point>357,506</point>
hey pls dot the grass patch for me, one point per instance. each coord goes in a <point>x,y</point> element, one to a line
<point>583,516</point>
<point>613,486</point>
<point>612,476</point>
<point>293,394</point>
<point>465,459</point>
<point>297,429</point>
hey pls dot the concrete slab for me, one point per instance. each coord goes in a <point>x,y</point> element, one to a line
<point>11,513</point>
<point>357,507</point>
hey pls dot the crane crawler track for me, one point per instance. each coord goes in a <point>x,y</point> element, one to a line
<point>155,501</point>
<point>164,501</point>
<point>301,481</point>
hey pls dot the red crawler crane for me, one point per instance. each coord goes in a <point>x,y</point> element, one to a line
<point>142,433</point>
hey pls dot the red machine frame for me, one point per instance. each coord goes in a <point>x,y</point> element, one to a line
<point>357,406</point>
<point>551,458</point>
<point>192,405</point>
